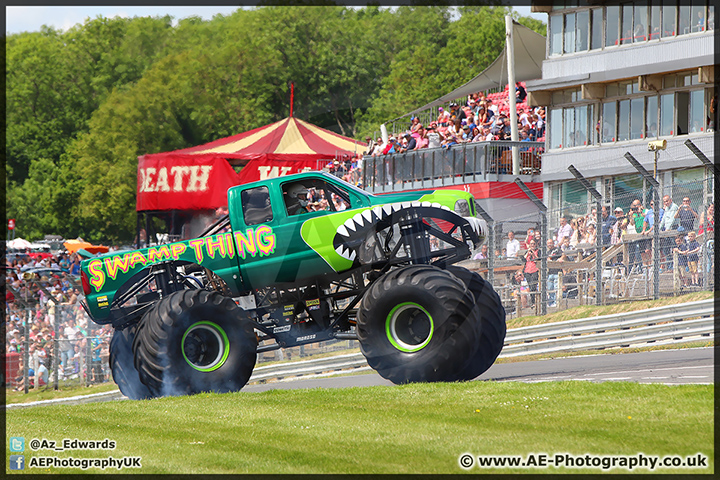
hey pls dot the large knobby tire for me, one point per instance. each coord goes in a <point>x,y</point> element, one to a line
<point>492,322</point>
<point>417,324</point>
<point>195,341</point>
<point>123,369</point>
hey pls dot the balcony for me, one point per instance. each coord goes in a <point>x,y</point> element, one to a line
<point>473,162</point>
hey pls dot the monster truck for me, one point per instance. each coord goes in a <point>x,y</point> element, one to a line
<point>301,259</point>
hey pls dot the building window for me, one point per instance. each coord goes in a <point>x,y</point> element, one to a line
<point>667,105</point>
<point>569,33</point>
<point>697,18</point>
<point>668,20</point>
<point>555,128</point>
<point>637,119</point>
<point>608,121</point>
<point>684,19</point>
<point>596,28</point>
<point>640,30</point>
<point>623,130</point>
<point>651,116</point>
<point>612,25</point>
<point>654,27</point>
<point>582,26</point>
<point>626,28</point>
<point>555,36</point>
<point>711,17</point>
<point>697,111</point>
<point>570,126</point>
<point>624,24</point>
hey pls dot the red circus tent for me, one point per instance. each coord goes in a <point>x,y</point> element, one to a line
<point>197,178</point>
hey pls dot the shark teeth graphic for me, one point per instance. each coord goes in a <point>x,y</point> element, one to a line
<point>342,230</point>
<point>350,224</point>
<point>367,215</point>
<point>346,252</point>
<point>350,233</point>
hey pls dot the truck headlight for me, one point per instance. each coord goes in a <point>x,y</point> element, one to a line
<point>462,208</point>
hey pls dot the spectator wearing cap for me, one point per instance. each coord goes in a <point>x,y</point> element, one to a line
<point>370,146</point>
<point>442,118</point>
<point>456,112</point>
<point>411,143</point>
<point>472,105</point>
<point>466,134</point>
<point>491,107</point>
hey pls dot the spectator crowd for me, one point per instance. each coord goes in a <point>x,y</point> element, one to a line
<point>689,235</point>
<point>43,314</point>
<point>481,118</point>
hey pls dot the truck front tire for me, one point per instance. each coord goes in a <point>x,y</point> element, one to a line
<point>195,341</point>
<point>492,322</point>
<point>417,324</point>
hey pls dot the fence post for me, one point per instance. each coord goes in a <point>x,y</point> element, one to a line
<point>676,274</point>
<point>542,276</point>
<point>88,353</point>
<point>491,247</point>
<point>656,221</point>
<point>56,345</point>
<point>598,230</point>
<point>26,353</point>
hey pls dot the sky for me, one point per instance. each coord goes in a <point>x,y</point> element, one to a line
<point>30,19</point>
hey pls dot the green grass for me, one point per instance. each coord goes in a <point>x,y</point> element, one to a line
<point>420,428</point>
<point>44,393</point>
<point>586,311</point>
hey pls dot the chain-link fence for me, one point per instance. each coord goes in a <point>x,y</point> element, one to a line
<point>567,247</point>
<point>51,342</point>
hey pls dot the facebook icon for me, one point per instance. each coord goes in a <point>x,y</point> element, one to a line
<point>17,462</point>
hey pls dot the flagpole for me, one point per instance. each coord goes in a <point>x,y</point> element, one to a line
<point>292,96</point>
<point>511,92</point>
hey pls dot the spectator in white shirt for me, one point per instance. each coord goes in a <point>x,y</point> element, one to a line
<point>513,246</point>
<point>565,230</point>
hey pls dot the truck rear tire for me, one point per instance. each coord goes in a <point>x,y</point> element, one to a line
<point>195,341</point>
<point>492,322</point>
<point>417,324</point>
<point>121,364</point>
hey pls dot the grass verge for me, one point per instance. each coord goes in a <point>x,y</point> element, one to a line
<point>585,311</point>
<point>34,395</point>
<point>419,428</point>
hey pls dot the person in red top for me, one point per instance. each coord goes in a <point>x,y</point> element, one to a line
<point>530,270</point>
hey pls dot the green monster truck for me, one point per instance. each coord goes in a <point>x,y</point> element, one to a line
<point>280,271</point>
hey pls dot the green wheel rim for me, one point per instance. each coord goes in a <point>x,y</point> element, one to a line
<point>213,343</point>
<point>409,327</point>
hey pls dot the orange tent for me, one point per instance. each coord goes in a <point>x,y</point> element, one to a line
<point>73,246</point>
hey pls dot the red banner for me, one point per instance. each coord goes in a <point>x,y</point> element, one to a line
<point>264,169</point>
<point>184,184</point>
<point>202,183</point>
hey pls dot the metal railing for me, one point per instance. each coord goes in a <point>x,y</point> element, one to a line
<point>462,163</point>
<point>669,324</point>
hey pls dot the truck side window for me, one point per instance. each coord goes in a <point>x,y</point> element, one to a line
<point>256,205</point>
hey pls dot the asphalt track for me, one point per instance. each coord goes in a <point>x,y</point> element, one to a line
<point>672,367</point>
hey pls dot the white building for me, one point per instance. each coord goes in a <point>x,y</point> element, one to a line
<point>620,75</point>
